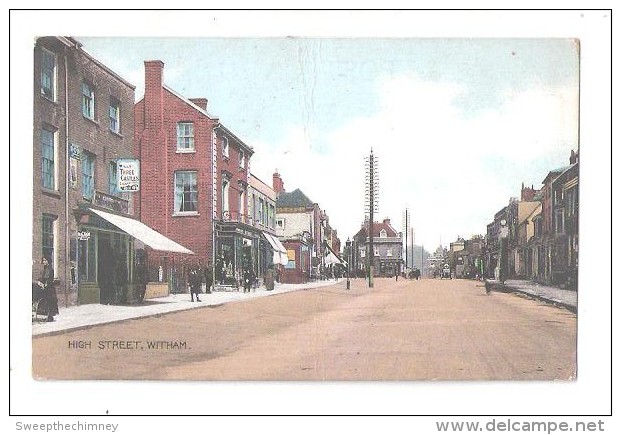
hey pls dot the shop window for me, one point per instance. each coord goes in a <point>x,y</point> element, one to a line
<point>291,257</point>
<point>49,239</point>
<point>87,260</point>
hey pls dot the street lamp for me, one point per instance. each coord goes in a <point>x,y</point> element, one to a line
<point>503,264</point>
<point>348,245</point>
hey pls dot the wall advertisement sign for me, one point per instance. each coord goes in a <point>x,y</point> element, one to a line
<point>128,175</point>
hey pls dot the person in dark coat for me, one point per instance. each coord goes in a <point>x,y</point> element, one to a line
<point>46,282</point>
<point>248,279</point>
<point>208,274</point>
<point>195,284</point>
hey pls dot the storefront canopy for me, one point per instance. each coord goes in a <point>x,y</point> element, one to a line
<point>142,232</point>
<point>332,258</point>
<point>280,252</point>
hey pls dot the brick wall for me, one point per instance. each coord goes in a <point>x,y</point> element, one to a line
<point>156,119</point>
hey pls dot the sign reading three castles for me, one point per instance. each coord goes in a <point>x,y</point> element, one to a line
<point>128,175</point>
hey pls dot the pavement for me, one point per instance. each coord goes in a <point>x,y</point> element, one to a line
<point>561,297</point>
<point>83,316</point>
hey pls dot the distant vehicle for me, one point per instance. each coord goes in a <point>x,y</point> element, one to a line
<point>446,272</point>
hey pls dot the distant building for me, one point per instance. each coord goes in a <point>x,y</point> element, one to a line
<point>387,246</point>
<point>299,228</point>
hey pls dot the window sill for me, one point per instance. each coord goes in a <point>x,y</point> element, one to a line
<point>51,100</point>
<point>117,134</point>
<point>182,151</point>
<point>91,120</point>
<point>50,192</point>
<point>185,213</point>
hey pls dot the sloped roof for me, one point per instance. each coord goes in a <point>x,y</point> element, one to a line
<point>554,173</point>
<point>294,199</point>
<point>377,229</point>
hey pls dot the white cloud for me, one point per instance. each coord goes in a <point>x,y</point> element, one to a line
<point>433,158</point>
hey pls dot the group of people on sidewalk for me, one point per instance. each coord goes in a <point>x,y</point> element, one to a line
<point>196,275</point>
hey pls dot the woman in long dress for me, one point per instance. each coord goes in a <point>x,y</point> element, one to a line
<point>49,292</point>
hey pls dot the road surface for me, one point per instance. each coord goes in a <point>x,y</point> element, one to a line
<point>398,330</point>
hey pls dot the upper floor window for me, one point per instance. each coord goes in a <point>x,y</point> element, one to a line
<point>261,216</point>
<point>48,74</point>
<point>572,201</point>
<point>113,186</point>
<point>559,222</point>
<point>88,101</point>
<point>363,253</point>
<point>388,252</point>
<point>280,223</point>
<point>48,159</point>
<point>225,147</point>
<point>271,215</point>
<point>242,160</point>
<point>115,115</point>
<point>185,136</point>
<point>226,184</point>
<point>186,191</point>
<point>242,204</point>
<point>383,234</point>
<point>88,175</point>
<point>376,251</point>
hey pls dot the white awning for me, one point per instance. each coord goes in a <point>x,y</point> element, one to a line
<point>142,232</point>
<point>332,258</point>
<point>280,252</point>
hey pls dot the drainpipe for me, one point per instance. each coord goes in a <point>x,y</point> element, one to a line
<point>67,182</point>
<point>214,194</point>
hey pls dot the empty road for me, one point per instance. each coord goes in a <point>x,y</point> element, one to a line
<point>399,330</point>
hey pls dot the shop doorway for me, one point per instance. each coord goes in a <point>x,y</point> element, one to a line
<point>105,269</point>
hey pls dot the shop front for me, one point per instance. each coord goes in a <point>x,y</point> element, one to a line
<point>238,249</point>
<point>108,256</point>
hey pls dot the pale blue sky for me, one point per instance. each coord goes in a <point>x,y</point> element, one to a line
<point>454,122</point>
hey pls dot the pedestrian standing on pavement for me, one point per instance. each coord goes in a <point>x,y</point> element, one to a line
<point>208,274</point>
<point>46,282</point>
<point>248,278</point>
<point>195,284</point>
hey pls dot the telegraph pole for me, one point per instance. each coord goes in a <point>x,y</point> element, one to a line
<point>405,231</point>
<point>371,204</point>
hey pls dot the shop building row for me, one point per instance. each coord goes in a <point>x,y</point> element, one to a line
<point>128,197</point>
<point>534,237</point>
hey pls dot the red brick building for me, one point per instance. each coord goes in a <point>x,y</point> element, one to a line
<point>195,181</point>
<point>83,123</point>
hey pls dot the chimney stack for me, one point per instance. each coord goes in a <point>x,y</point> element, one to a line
<point>154,94</point>
<point>200,102</point>
<point>277,183</point>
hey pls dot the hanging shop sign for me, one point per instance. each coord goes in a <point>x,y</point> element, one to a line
<point>83,235</point>
<point>128,175</point>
